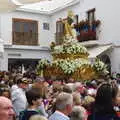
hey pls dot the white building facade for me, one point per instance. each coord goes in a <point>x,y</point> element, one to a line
<point>23,51</point>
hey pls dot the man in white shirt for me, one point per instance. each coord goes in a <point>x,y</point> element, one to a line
<point>18,96</point>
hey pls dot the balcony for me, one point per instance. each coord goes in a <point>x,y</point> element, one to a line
<point>24,38</point>
<point>86,30</point>
<point>87,36</point>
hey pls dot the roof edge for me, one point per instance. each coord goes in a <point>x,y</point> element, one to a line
<point>50,12</point>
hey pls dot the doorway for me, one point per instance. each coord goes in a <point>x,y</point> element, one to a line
<point>20,64</point>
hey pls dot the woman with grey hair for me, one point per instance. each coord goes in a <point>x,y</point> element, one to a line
<point>78,113</point>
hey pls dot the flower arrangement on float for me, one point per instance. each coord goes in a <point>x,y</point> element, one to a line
<point>79,68</point>
<point>100,67</point>
<point>69,49</point>
<point>69,66</point>
<point>74,48</point>
<point>43,63</point>
<point>71,60</point>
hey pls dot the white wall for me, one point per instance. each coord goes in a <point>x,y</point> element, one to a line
<point>6,26</point>
<point>6,35</point>
<point>115,58</point>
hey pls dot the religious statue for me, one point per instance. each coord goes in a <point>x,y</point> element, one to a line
<point>69,25</point>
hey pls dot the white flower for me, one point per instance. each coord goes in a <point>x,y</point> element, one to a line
<point>100,67</point>
<point>42,64</point>
<point>58,49</point>
<point>70,47</point>
<point>69,66</point>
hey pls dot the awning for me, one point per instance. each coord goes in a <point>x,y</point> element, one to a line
<point>97,50</point>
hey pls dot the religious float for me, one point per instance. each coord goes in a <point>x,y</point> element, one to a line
<point>70,60</point>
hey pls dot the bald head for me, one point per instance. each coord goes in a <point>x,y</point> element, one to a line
<point>6,109</point>
<point>4,99</point>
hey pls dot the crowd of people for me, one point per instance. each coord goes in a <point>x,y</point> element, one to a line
<point>31,97</point>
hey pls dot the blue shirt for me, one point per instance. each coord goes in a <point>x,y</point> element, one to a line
<point>58,116</point>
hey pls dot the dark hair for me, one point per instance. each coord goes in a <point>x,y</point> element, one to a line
<point>32,94</point>
<point>3,89</point>
<point>18,80</point>
<point>105,97</point>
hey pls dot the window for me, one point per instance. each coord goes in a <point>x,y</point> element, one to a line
<point>91,15</point>
<point>25,32</point>
<point>46,26</point>
<point>59,32</point>
<point>76,19</point>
